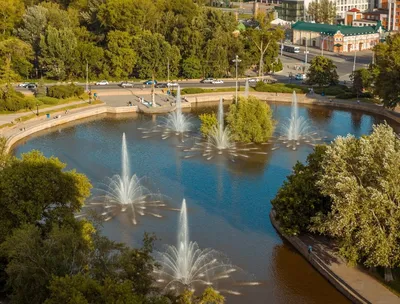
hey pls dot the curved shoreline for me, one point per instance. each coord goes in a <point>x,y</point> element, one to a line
<point>358,286</point>
<point>40,124</point>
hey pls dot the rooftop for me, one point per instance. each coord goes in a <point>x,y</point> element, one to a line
<point>354,10</point>
<point>330,29</point>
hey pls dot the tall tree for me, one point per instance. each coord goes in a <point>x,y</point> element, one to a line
<point>322,71</point>
<point>362,178</point>
<point>265,40</point>
<point>19,52</point>
<point>36,190</point>
<point>387,84</point>
<point>11,12</point>
<point>322,11</point>
<point>362,79</point>
<point>121,56</point>
<point>299,199</point>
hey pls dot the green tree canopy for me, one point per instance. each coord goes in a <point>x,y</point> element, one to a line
<point>208,122</point>
<point>362,178</point>
<point>322,71</point>
<point>250,120</point>
<point>11,12</point>
<point>36,190</point>
<point>322,11</point>
<point>387,84</point>
<point>362,80</point>
<point>299,199</point>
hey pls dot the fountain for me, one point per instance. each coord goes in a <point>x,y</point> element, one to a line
<point>126,192</point>
<point>219,141</point>
<point>188,266</point>
<point>297,129</point>
<point>176,123</point>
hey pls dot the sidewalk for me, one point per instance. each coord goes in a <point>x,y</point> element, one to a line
<point>353,282</point>
<point>8,118</point>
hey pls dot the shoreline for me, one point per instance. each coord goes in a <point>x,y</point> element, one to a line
<point>30,127</point>
<point>354,283</point>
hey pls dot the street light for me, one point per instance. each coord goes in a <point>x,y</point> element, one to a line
<point>236,61</point>
<point>37,109</point>
<point>355,54</point>
<point>322,45</point>
<point>87,76</point>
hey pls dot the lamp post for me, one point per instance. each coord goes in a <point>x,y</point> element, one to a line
<point>322,45</point>
<point>236,61</point>
<point>37,109</point>
<point>168,70</point>
<point>87,76</point>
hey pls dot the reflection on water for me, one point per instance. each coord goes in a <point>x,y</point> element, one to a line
<point>230,202</point>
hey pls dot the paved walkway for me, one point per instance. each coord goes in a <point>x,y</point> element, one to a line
<point>353,282</point>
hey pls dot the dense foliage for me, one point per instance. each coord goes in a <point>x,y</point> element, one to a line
<point>208,122</point>
<point>299,199</point>
<point>128,38</point>
<point>362,178</point>
<point>250,120</point>
<point>64,91</point>
<point>11,100</point>
<point>322,72</point>
<point>323,11</point>
<point>387,65</point>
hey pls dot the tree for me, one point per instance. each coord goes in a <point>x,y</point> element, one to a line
<point>387,85</point>
<point>208,122</point>
<point>322,71</point>
<point>11,12</point>
<point>36,190</point>
<point>362,178</point>
<point>299,199</point>
<point>121,56</point>
<point>209,296</point>
<point>362,80</point>
<point>4,156</point>
<point>57,50</point>
<point>322,11</point>
<point>250,120</point>
<point>191,67</point>
<point>19,52</point>
<point>265,40</point>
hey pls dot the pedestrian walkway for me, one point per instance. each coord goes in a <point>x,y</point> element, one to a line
<point>354,282</point>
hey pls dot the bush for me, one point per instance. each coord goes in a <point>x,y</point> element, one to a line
<point>208,121</point>
<point>49,100</point>
<point>62,91</point>
<point>346,95</point>
<point>279,88</point>
<point>192,91</point>
<point>11,100</point>
<point>250,120</point>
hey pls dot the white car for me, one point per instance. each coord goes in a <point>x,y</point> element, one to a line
<point>253,80</point>
<point>23,85</point>
<point>103,82</point>
<point>217,81</point>
<point>172,84</point>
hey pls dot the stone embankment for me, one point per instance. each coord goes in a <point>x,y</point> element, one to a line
<point>353,282</point>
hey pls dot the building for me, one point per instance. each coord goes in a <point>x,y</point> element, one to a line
<point>336,38</point>
<point>291,10</point>
<point>343,6</point>
<point>393,14</point>
<point>370,18</point>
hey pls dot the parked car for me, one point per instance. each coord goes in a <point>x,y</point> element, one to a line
<point>207,80</point>
<point>149,82</point>
<point>161,85</point>
<point>101,83</point>
<point>31,85</point>
<point>217,81</point>
<point>126,84</point>
<point>23,85</point>
<point>172,84</point>
<point>300,76</point>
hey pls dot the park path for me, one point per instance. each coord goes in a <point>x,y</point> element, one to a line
<point>353,282</point>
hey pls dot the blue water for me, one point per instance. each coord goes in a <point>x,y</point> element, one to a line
<point>228,202</point>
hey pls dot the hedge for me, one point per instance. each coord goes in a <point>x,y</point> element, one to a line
<point>279,88</point>
<point>64,91</point>
<point>49,100</point>
<point>192,91</point>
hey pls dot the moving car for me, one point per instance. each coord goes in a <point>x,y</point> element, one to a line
<point>126,84</point>
<point>300,76</point>
<point>103,82</point>
<point>253,80</point>
<point>207,80</point>
<point>23,85</point>
<point>172,84</point>
<point>217,81</point>
<point>31,85</point>
<point>148,82</point>
<point>161,85</point>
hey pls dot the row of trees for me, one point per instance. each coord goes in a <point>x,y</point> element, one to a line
<point>48,256</point>
<point>128,38</point>
<point>349,190</point>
